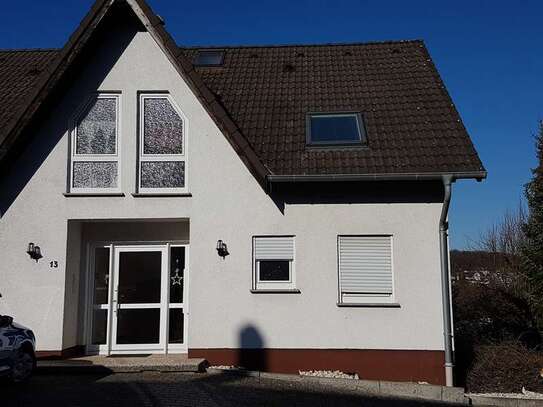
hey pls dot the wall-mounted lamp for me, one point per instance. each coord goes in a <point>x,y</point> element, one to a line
<point>222,249</point>
<point>34,252</point>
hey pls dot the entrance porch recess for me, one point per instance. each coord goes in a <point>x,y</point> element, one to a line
<point>136,298</point>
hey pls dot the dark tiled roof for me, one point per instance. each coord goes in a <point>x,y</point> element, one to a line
<point>19,74</point>
<point>411,122</point>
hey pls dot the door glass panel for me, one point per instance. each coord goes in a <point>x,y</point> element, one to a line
<point>177,272</point>
<point>99,327</point>
<point>135,326</point>
<point>139,277</point>
<point>101,275</point>
<point>176,325</point>
<point>100,295</point>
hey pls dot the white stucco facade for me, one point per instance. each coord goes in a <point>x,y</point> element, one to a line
<point>226,203</point>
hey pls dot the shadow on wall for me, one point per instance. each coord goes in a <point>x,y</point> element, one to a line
<point>93,64</point>
<point>356,192</point>
<point>252,351</point>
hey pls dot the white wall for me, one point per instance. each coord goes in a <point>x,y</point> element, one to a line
<point>227,204</point>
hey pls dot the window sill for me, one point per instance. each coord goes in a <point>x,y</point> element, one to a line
<point>92,194</point>
<point>370,304</point>
<point>158,194</point>
<point>276,291</point>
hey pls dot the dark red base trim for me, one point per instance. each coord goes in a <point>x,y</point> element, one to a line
<point>393,365</point>
<point>74,351</point>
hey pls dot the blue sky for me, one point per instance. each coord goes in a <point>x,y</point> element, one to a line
<point>489,53</point>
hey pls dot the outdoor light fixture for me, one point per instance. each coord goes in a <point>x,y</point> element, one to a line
<point>34,252</point>
<point>222,249</point>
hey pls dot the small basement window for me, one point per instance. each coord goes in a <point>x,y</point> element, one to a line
<point>209,58</point>
<point>335,129</point>
<point>273,263</point>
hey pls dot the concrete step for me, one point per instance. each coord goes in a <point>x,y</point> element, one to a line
<point>124,364</point>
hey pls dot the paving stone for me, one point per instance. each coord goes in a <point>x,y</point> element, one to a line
<point>187,389</point>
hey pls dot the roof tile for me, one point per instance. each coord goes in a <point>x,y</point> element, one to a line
<point>412,124</point>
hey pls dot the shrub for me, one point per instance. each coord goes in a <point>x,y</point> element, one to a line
<point>500,305</point>
<point>506,368</point>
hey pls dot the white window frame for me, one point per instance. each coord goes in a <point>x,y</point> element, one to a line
<point>263,286</point>
<point>74,157</point>
<point>142,157</point>
<point>367,298</point>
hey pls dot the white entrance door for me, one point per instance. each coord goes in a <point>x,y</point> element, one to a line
<point>137,299</point>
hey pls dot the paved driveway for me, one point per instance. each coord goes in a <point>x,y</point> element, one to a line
<point>177,389</point>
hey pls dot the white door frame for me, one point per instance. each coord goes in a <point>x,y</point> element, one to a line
<point>110,347</point>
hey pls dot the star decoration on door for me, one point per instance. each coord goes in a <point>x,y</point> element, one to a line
<point>176,278</point>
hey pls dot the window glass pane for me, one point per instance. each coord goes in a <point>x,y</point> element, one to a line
<point>162,174</point>
<point>162,127</point>
<point>138,326</point>
<point>139,277</point>
<point>101,275</point>
<point>99,326</point>
<point>177,272</point>
<point>94,174</point>
<point>209,58</point>
<point>334,129</point>
<point>96,132</point>
<point>176,326</point>
<point>274,270</point>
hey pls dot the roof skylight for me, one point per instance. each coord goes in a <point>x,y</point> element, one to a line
<point>209,58</point>
<point>335,129</point>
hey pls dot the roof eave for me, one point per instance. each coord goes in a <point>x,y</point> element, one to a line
<point>423,176</point>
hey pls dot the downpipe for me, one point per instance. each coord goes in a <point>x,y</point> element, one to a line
<point>445,281</point>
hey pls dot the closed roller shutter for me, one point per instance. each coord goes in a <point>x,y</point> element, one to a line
<point>274,248</point>
<point>365,264</point>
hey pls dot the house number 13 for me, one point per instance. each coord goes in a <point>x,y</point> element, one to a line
<point>53,264</point>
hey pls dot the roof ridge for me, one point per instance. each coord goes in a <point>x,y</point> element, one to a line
<point>29,49</point>
<point>327,44</point>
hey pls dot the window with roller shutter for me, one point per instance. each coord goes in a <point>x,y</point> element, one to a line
<point>365,268</point>
<point>273,263</point>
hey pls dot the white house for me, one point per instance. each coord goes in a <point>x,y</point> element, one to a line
<point>277,207</point>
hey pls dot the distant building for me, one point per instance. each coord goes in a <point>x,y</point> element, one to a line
<point>475,266</point>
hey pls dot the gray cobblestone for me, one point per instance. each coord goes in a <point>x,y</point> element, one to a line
<point>154,389</point>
